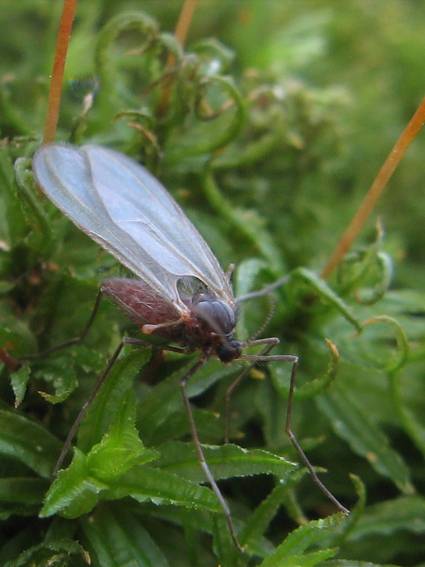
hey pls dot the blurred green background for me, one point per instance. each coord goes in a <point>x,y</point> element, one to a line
<point>368,54</point>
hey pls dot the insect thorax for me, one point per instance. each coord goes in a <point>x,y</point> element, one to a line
<point>215,325</point>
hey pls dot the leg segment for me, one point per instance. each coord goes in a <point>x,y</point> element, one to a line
<point>265,357</point>
<point>200,453</point>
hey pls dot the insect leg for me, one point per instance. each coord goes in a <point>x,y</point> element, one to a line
<point>200,453</point>
<point>298,448</point>
<point>265,357</point>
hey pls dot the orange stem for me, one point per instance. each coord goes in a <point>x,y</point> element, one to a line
<point>182,27</point>
<point>55,92</point>
<point>375,190</point>
<point>186,16</point>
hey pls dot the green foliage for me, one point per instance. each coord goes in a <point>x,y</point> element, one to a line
<point>269,146</point>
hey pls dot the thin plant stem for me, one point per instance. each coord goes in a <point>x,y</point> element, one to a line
<point>182,27</point>
<point>375,190</point>
<point>185,19</point>
<point>55,92</point>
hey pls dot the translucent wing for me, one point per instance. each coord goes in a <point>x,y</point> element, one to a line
<point>125,209</point>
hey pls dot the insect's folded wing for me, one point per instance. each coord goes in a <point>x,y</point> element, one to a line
<point>122,207</point>
<point>65,176</point>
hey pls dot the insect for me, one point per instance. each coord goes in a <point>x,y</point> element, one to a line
<point>182,293</point>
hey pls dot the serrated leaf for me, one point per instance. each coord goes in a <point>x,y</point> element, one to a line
<point>161,487</point>
<point>260,519</point>
<point>225,462</point>
<point>308,560</point>
<point>109,402</point>
<point>19,381</point>
<point>76,490</point>
<point>61,375</point>
<point>301,538</point>
<point>73,492</point>
<point>120,448</point>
